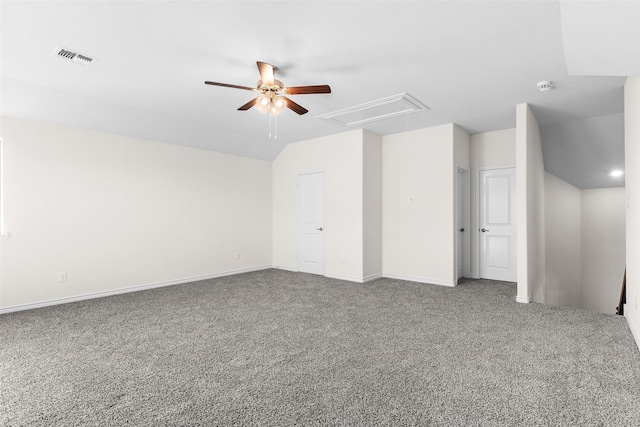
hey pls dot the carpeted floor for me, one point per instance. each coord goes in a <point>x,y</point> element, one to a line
<point>277,348</point>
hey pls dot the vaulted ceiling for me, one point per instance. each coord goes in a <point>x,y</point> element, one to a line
<point>469,62</point>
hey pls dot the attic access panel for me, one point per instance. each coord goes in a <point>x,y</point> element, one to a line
<point>373,111</point>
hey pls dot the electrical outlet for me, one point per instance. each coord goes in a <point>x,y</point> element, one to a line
<point>237,255</point>
<point>62,276</point>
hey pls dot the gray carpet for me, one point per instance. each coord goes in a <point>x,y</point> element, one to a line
<point>278,348</point>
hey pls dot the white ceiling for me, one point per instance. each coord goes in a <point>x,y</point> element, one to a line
<point>470,62</point>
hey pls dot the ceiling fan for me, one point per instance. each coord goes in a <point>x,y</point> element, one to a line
<point>272,97</point>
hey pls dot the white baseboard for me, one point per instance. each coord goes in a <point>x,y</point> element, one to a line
<point>279,267</point>
<point>346,278</point>
<point>336,276</point>
<point>632,328</point>
<point>420,280</point>
<point>93,295</point>
<point>523,300</point>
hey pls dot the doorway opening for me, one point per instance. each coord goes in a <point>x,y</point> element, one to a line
<point>463,223</point>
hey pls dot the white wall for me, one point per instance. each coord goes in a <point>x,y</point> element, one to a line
<point>563,231</point>
<point>417,236</point>
<point>632,182</point>
<point>372,206</point>
<point>461,148</point>
<point>340,157</point>
<point>489,149</point>
<point>494,149</point>
<point>115,212</point>
<point>530,209</point>
<point>121,213</point>
<point>602,248</point>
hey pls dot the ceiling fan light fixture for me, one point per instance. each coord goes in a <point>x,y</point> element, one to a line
<point>279,104</point>
<point>263,103</point>
<point>271,104</point>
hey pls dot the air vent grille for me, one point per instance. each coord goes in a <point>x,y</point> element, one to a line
<point>76,57</point>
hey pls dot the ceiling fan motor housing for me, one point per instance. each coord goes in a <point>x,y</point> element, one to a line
<point>277,86</point>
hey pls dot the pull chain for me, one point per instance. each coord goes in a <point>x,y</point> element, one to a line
<point>273,133</point>
<point>276,125</point>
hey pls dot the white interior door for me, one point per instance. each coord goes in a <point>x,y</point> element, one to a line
<point>497,224</point>
<point>311,223</point>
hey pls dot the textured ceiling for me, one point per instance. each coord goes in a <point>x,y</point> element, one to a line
<point>470,62</point>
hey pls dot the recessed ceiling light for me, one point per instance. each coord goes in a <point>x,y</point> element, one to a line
<point>616,173</point>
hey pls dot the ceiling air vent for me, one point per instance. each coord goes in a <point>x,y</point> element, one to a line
<point>76,57</point>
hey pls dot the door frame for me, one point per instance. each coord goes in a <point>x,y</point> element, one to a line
<point>324,217</point>
<point>477,203</point>
<point>465,209</point>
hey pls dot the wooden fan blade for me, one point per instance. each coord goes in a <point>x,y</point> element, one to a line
<point>266,72</point>
<point>295,107</point>
<point>248,105</point>
<point>304,90</point>
<point>228,85</point>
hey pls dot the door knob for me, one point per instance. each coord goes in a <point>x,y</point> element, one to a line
<point>319,228</point>
<point>484,230</point>
<point>462,230</point>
